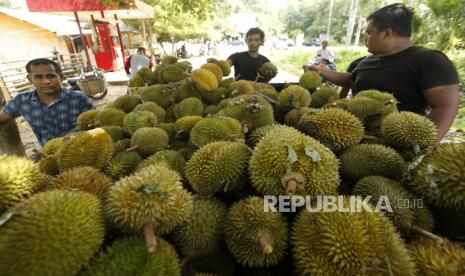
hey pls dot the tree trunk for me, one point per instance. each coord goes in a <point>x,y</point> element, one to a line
<point>149,38</point>
<point>360,24</point>
<point>144,37</point>
<point>328,29</point>
<point>351,23</point>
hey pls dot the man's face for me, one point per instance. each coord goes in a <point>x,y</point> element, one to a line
<point>45,79</point>
<point>253,42</point>
<point>376,41</point>
<point>324,44</point>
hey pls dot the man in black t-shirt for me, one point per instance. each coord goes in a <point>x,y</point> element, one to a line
<point>419,78</point>
<point>246,64</point>
<point>350,69</point>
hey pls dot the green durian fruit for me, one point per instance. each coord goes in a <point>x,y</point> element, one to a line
<point>148,75</point>
<point>241,87</point>
<point>186,66</point>
<point>407,130</point>
<point>86,179</point>
<point>360,242</point>
<point>89,148</point>
<point>438,258</point>
<point>187,90</point>
<point>148,140</point>
<point>341,103</point>
<point>49,165</point>
<point>225,67</point>
<point>215,69</point>
<point>226,83</point>
<point>53,146</point>
<point>126,102</point>
<point>251,110</point>
<point>116,132</point>
<point>167,59</point>
<point>215,96</point>
<point>438,176</point>
<point>136,81</point>
<point>128,257</point>
<point>52,233</point>
<point>159,94</point>
<point>152,197</point>
<point>335,128</point>
<point>256,238</point>
<point>404,213</point>
<point>210,130</point>
<point>285,161</point>
<point>202,233</point>
<point>294,96</point>
<point>324,95</point>
<point>259,133</point>
<point>371,159</point>
<point>188,107</point>
<point>171,73</point>
<point>169,128</point>
<point>122,164</point>
<point>185,124</point>
<point>173,159</point>
<point>139,119</point>
<point>217,166</point>
<point>17,180</point>
<point>268,70</point>
<point>157,110</point>
<point>204,80</point>
<point>121,145</point>
<point>86,120</point>
<point>310,80</point>
<point>110,117</point>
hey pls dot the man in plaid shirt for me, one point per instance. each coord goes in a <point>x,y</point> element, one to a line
<point>50,110</point>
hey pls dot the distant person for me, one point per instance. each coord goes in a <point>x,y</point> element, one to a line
<point>345,91</point>
<point>50,109</point>
<point>136,62</point>
<point>325,56</point>
<point>424,81</point>
<point>246,64</point>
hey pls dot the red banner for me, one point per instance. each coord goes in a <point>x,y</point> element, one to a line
<point>66,5</point>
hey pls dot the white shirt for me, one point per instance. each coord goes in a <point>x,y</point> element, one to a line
<point>138,62</point>
<point>326,54</point>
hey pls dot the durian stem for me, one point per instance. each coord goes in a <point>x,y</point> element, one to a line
<point>199,197</point>
<point>426,234</point>
<point>40,153</point>
<point>150,239</point>
<point>369,137</point>
<point>132,148</point>
<point>266,246</point>
<point>185,260</point>
<point>245,127</point>
<point>291,187</point>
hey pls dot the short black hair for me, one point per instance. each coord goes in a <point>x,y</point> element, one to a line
<point>140,49</point>
<point>396,17</point>
<point>253,31</point>
<point>43,61</point>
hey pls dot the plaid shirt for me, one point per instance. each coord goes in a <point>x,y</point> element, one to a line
<point>54,120</point>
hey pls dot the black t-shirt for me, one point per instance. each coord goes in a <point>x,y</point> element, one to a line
<point>354,64</point>
<point>406,75</point>
<point>247,66</point>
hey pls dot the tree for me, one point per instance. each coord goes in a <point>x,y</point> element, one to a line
<point>328,29</point>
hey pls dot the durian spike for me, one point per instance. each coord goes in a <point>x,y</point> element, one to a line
<point>150,239</point>
<point>291,187</point>
<point>185,260</point>
<point>40,153</point>
<point>132,148</point>
<point>426,234</point>
<point>266,246</point>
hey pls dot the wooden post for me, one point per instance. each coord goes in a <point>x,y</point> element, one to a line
<point>120,38</point>
<point>84,43</point>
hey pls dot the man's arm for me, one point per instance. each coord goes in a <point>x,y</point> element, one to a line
<point>339,78</point>
<point>4,118</point>
<point>444,101</point>
<point>127,64</point>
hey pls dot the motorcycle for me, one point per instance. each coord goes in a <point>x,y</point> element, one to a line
<point>325,63</point>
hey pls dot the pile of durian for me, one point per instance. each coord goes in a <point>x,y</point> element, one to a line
<point>171,179</point>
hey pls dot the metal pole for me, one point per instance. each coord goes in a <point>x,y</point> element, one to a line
<point>84,44</point>
<point>120,37</point>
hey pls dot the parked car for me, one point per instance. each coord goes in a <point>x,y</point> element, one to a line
<point>237,43</point>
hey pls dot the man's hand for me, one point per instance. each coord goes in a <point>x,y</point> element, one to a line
<point>312,67</point>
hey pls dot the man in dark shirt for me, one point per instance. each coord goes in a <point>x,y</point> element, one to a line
<point>246,64</point>
<point>350,69</point>
<point>419,78</point>
<point>50,110</point>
